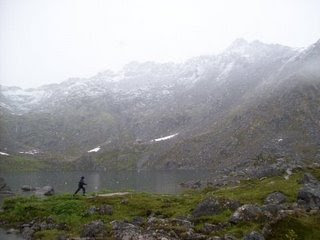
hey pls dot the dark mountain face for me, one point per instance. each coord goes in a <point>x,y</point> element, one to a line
<point>253,101</point>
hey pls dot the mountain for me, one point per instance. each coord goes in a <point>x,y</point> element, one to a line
<point>254,103</point>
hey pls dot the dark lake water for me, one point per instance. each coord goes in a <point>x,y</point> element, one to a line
<point>146,181</point>
<point>4,236</point>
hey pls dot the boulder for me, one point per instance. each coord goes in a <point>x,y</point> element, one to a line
<point>308,178</point>
<point>191,235</point>
<point>180,222</point>
<point>12,231</point>
<point>102,210</point>
<point>271,211</point>
<point>27,188</point>
<point>209,206</point>
<point>27,233</point>
<point>45,191</point>
<point>309,194</point>
<point>275,198</point>
<point>192,184</point>
<point>138,221</point>
<point>247,213</point>
<point>123,230</point>
<point>209,228</point>
<point>254,236</point>
<point>94,230</point>
<point>229,237</point>
<point>105,210</point>
<point>92,210</point>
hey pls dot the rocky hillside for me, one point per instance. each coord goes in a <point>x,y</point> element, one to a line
<point>253,103</point>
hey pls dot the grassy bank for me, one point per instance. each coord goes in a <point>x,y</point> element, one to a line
<point>72,212</point>
<point>29,163</point>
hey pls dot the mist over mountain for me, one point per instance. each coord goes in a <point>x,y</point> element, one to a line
<point>254,104</point>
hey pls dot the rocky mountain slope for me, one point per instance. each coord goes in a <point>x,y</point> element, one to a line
<point>253,104</point>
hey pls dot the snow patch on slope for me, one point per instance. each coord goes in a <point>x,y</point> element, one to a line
<point>4,154</point>
<point>31,152</point>
<point>164,138</point>
<point>97,149</point>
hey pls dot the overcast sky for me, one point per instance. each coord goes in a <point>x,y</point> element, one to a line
<point>45,41</point>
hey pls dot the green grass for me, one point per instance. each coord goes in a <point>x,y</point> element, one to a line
<point>72,211</point>
<point>21,163</point>
<point>255,191</point>
<point>298,227</point>
<point>48,234</point>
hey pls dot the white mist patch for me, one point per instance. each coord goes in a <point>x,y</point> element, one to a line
<point>97,149</point>
<point>164,138</point>
<point>4,154</point>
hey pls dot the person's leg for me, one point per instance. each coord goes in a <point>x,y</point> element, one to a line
<point>83,191</point>
<point>77,191</point>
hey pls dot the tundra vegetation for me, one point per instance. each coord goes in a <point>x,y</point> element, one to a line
<point>251,207</point>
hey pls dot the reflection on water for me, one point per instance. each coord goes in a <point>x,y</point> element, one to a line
<point>66,181</point>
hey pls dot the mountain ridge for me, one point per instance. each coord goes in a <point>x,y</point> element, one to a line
<point>124,111</point>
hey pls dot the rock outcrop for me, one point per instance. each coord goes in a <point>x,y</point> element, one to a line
<point>93,230</point>
<point>309,194</point>
<point>247,213</point>
<point>45,191</point>
<point>213,206</point>
<point>275,198</point>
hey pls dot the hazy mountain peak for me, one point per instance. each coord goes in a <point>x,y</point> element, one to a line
<point>239,42</point>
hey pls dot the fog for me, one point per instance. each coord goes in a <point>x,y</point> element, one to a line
<point>44,41</point>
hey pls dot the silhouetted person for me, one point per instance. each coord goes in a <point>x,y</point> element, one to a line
<point>81,186</point>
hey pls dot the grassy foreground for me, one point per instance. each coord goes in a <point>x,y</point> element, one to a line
<point>72,212</point>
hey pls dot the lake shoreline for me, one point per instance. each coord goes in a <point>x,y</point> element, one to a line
<point>193,214</point>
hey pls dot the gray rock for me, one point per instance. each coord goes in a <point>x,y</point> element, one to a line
<point>272,210</point>
<point>27,188</point>
<point>308,178</point>
<point>247,213</point>
<point>25,225</point>
<point>254,236</point>
<point>192,184</point>
<point>125,231</point>
<point>309,195</point>
<point>105,210</point>
<point>180,222</point>
<point>94,229</point>
<point>209,206</point>
<point>124,201</point>
<point>27,233</point>
<point>229,237</point>
<point>275,198</point>
<point>45,191</point>
<point>209,228</point>
<point>12,231</point>
<point>92,210</point>
<point>138,221</point>
<point>102,210</point>
<point>191,235</point>
<point>265,171</point>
